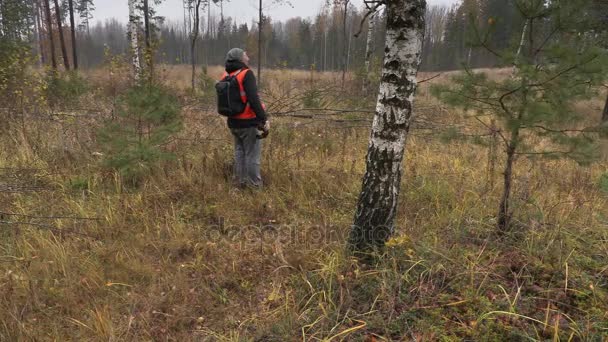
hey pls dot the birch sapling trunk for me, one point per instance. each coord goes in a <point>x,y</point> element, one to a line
<point>377,204</point>
<point>64,51</point>
<point>522,40</point>
<point>134,41</point>
<point>73,33</point>
<point>369,49</point>
<point>148,55</point>
<point>49,28</point>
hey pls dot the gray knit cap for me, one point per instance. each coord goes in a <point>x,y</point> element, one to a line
<point>234,55</point>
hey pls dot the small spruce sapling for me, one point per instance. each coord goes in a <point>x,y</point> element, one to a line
<point>134,141</point>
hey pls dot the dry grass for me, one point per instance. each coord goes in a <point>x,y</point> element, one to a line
<point>186,257</point>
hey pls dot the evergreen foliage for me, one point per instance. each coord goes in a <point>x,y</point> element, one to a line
<point>65,88</point>
<point>135,140</point>
<point>558,66</point>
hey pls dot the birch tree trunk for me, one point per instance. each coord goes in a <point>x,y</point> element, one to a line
<point>134,41</point>
<point>148,53</point>
<point>522,40</point>
<point>369,49</point>
<point>64,51</point>
<point>49,28</point>
<point>377,204</point>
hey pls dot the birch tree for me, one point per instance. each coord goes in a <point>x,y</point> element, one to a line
<point>377,204</point>
<point>369,49</point>
<point>133,36</point>
<point>148,54</point>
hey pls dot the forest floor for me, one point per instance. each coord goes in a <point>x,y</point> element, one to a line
<point>185,256</point>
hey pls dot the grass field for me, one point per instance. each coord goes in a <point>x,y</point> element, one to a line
<point>186,257</point>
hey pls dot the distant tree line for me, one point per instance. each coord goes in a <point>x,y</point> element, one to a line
<point>304,43</point>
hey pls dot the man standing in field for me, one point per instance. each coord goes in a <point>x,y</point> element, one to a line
<point>248,127</point>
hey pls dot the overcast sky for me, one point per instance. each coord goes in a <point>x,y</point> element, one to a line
<point>241,10</point>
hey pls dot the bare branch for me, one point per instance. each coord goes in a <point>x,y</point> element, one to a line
<point>370,12</point>
<point>50,228</point>
<point>563,131</point>
<point>430,78</point>
<point>52,217</point>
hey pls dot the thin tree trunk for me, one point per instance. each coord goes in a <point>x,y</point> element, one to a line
<point>49,25</point>
<point>523,39</point>
<point>194,38</point>
<point>260,26</point>
<point>222,13</point>
<point>134,41</point>
<point>2,21</point>
<point>38,25</point>
<point>369,49</point>
<point>208,36</point>
<point>344,46</point>
<point>73,32</point>
<point>605,113</point>
<point>147,24</point>
<point>148,58</point>
<point>64,51</point>
<point>350,39</point>
<point>186,4</point>
<point>377,204</point>
<point>325,51</point>
<point>504,211</point>
<point>86,6</point>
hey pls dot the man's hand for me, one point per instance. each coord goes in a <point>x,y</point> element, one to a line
<point>265,128</point>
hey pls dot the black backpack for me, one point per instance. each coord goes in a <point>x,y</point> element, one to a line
<point>229,102</point>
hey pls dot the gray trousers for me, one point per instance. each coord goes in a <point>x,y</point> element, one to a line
<point>247,155</point>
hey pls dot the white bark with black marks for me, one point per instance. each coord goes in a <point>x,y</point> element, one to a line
<point>377,205</point>
<point>369,49</point>
<point>134,40</point>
